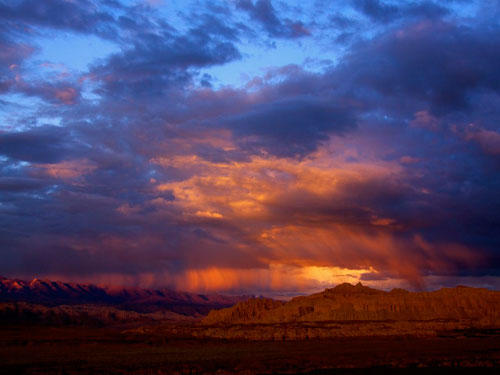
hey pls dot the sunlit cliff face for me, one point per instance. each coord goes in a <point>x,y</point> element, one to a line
<point>250,146</point>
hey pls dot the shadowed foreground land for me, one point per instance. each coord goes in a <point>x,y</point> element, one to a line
<point>71,350</point>
<point>349,329</point>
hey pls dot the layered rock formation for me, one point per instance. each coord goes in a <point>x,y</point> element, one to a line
<point>348,310</point>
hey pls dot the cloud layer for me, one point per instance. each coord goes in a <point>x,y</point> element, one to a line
<point>382,166</point>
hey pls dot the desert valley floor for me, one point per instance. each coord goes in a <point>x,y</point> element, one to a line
<point>83,350</point>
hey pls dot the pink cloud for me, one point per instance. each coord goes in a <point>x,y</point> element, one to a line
<point>67,95</point>
<point>488,140</point>
<point>68,170</point>
<point>423,119</point>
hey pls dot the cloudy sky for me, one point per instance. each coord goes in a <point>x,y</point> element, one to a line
<point>251,145</point>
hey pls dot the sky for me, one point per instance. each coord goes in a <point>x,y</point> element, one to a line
<point>251,146</point>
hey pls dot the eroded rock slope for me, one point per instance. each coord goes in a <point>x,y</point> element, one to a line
<point>350,310</point>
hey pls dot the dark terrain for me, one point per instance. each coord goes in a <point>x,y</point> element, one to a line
<point>60,328</point>
<point>84,350</point>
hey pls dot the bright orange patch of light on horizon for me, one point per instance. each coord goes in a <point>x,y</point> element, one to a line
<point>276,278</point>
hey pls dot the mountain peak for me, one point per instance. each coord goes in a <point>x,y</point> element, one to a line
<point>54,293</point>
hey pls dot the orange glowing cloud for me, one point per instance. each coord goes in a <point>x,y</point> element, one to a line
<point>302,213</point>
<point>249,190</point>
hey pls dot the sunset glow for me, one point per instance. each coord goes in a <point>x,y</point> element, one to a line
<point>250,146</point>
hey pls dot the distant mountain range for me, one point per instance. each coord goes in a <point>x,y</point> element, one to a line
<point>54,293</point>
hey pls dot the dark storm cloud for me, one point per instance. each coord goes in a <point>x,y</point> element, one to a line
<point>425,10</point>
<point>379,11</point>
<point>387,159</point>
<point>81,16</point>
<point>47,144</point>
<point>161,62</point>
<point>264,12</point>
<point>290,127</point>
<point>107,19</point>
<point>435,63</point>
<point>376,9</point>
<point>17,184</point>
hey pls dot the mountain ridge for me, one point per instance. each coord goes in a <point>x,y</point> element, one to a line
<point>54,293</point>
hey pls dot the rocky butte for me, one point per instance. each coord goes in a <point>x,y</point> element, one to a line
<point>357,310</point>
